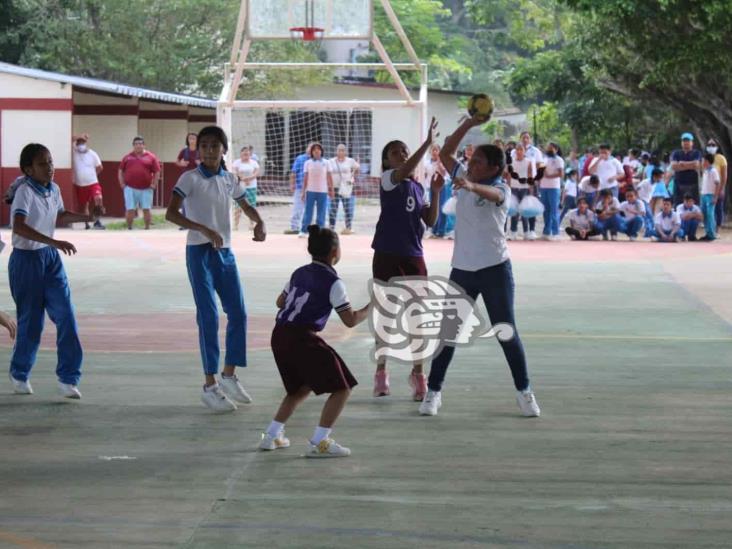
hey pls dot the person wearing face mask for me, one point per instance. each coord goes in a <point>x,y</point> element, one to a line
<point>720,164</point>
<point>87,167</point>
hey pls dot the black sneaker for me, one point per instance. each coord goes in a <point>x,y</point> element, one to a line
<point>98,226</point>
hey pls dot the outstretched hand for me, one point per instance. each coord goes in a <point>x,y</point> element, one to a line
<point>433,134</point>
<point>66,247</point>
<point>438,181</point>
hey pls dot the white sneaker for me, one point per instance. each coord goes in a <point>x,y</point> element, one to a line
<point>431,403</point>
<point>614,237</point>
<point>20,387</point>
<point>69,391</point>
<point>302,235</point>
<point>546,237</point>
<point>527,403</point>
<point>632,238</point>
<point>328,448</point>
<point>532,235</point>
<point>512,236</point>
<point>234,390</point>
<point>214,398</point>
<point>274,443</point>
<point>556,238</point>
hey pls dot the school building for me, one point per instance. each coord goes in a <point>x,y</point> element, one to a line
<point>48,107</point>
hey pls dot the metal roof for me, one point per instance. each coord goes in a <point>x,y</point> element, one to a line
<point>108,87</point>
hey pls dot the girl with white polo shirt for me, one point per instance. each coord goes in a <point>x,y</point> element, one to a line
<point>317,188</point>
<point>208,191</point>
<point>38,280</point>
<point>550,191</point>
<point>480,260</point>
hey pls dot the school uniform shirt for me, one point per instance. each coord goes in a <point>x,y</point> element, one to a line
<point>633,209</point>
<point>521,168</point>
<point>139,171</point>
<point>400,228</point>
<point>85,167</point>
<point>311,294</point>
<point>645,190</point>
<point>317,171</point>
<point>581,221</point>
<point>552,164</point>
<point>570,187</point>
<point>607,169</point>
<point>208,198</point>
<point>246,169</point>
<point>480,240</point>
<point>531,152</point>
<point>585,186</point>
<point>600,207</point>
<point>681,209</point>
<point>710,180</point>
<point>40,206</point>
<point>667,222</point>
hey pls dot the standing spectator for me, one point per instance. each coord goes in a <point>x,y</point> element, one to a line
<point>550,189</point>
<point>297,174</point>
<point>188,156</point>
<point>581,221</point>
<point>644,189</point>
<point>317,188</point>
<point>510,147</point>
<point>569,193</point>
<point>573,161</point>
<point>530,150</point>
<point>633,211</point>
<point>521,170</point>
<point>87,167</point>
<point>686,163</point>
<point>585,161</point>
<point>720,163</point>
<point>343,169</point>
<point>668,223</point>
<point>608,169</point>
<point>247,170</point>
<point>690,216</point>
<point>433,166</point>
<point>711,188</point>
<point>138,176</point>
<point>467,153</point>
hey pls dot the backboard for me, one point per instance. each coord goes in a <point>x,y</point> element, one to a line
<point>339,19</point>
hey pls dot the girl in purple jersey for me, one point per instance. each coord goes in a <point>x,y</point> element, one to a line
<point>397,241</point>
<point>305,361</point>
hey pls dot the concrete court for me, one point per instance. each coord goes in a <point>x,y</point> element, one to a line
<point>629,348</point>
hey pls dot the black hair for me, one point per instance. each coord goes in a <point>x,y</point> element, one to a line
<point>190,134</point>
<point>385,152</point>
<point>140,138</point>
<point>318,145</point>
<point>709,157</point>
<point>606,147</point>
<point>582,199</point>
<point>656,171</point>
<point>571,172</point>
<point>594,180</point>
<point>321,241</point>
<point>493,155</point>
<point>606,192</point>
<point>635,152</point>
<point>29,154</point>
<point>668,199</point>
<point>631,190</point>
<point>219,134</point>
<point>688,196</point>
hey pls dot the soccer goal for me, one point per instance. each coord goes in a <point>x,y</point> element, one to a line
<point>360,105</point>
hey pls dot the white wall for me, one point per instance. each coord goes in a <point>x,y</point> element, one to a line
<point>30,88</point>
<point>50,128</point>
<point>165,138</point>
<point>110,136</point>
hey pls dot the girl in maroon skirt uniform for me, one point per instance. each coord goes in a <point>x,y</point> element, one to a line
<point>305,361</point>
<point>398,238</point>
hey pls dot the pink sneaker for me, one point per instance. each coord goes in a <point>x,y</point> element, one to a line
<point>418,383</point>
<point>381,384</point>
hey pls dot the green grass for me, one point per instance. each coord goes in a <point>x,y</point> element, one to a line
<point>158,222</point>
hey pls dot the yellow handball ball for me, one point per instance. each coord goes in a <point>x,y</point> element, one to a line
<point>481,105</point>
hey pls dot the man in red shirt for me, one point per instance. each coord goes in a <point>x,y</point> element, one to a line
<point>138,176</point>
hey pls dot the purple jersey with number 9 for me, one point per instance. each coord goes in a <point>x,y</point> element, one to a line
<point>400,228</point>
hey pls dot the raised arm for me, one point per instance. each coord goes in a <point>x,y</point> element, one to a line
<point>401,173</point>
<point>447,153</point>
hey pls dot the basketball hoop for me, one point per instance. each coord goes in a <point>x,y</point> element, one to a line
<point>307,34</point>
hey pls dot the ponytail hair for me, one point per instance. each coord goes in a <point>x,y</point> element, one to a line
<point>321,241</point>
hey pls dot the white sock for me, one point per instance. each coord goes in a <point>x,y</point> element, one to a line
<point>232,376</point>
<point>320,434</point>
<point>275,428</point>
<point>209,388</point>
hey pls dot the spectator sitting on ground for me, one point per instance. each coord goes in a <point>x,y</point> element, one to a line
<point>689,215</point>
<point>633,211</point>
<point>668,225</point>
<point>581,221</point>
<point>608,218</point>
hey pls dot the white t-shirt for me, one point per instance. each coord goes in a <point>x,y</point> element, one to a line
<point>317,172</point>
<point>246,169</point>
<point>681,209</point>
<point>710,180</point>
<point>552,165</point>
<point>570,187</point>
<point>606,169</point>
<point>600,206</point>
<point>40,205</point>
<point>480,240</point>
<point>585,186</point>
<point>669,223</point>
<point>631,210</point>
<point>521,167</point>
<point>531,152</point>
<point>342,170</point>
<point>645,190</point>
<point>581,221</point>
<point>208,202</point>
<point>85,167</point>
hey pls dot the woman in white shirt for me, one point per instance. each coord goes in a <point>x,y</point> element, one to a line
<point>521,169</point>
<point>247,170</point>
<point>550,190</point>
<point>317,187</point>
<point>343,170</point>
